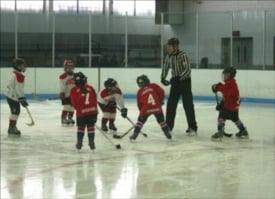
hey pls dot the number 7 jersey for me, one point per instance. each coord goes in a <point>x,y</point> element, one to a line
<point>150,99</point>
<point>84,104</point>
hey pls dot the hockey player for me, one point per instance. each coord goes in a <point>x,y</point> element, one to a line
<point>66,84</point>
<point>15,94</point>
<point>108,99</point>
<point>83,99</point>
<point>229,106</point>
<point>150,98</point>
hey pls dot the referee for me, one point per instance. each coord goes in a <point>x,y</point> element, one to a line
<point>180,85</point>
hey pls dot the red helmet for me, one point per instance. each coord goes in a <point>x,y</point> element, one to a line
<point>68,66</point>
<point>68,62</point>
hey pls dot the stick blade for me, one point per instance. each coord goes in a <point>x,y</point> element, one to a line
<point>30,124</point>
<point>227,134</point>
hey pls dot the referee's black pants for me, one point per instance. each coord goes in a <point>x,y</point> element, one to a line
<point>181,88</point>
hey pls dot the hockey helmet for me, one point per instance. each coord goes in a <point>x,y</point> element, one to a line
<point>80,79</point>
<point>109,83</point>
<point>142,81</point>
<point>68,65</point>
<point>230,70</point>
<point>17,64</point>
<point>173,42</point>
<point>68,62</point>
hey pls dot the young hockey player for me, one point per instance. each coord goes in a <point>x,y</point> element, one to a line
<point>15,94</point>
<point>108,99</point>
<point>66,84</point>
<point>229,106</point>
<point>150,98</point>
<point>83,99</point>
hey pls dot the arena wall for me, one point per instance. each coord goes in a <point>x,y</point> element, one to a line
<point>253,84</point>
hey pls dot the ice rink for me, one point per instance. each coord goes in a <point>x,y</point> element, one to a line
<point>43,162</point>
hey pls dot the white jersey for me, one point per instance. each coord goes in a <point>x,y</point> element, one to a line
<point>66,83</point>
<point>16,86</point>
<point>104,97</point>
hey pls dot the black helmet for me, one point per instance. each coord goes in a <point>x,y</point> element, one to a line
<point>17,62</point>
<point>173,42</point>
<point>80,79</point>
<point>109,83</point>
<point>230,70</point>
<point>142,81</point>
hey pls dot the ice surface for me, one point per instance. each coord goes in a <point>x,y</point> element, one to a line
<point>43,162</point>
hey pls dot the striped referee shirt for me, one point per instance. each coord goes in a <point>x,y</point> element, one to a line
<point>179,65</point>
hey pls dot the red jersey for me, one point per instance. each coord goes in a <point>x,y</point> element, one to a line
<point>150,99</point>
<point>84,104</point>
<point>231,96</point>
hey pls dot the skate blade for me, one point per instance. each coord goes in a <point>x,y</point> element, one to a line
<point>216,139</point>
<point>14,135</point>
<point>243,137</point>
<point>191,134</point>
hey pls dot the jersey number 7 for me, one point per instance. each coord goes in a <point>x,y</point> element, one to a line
<point>87,97</point>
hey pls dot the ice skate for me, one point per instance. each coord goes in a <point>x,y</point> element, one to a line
<point>64,121</point>
<point>191,131</point>
<point>14,131</point>
<point>71,122</point>
<point>242,134</point>
<point>112,127</point>
<point>91,143</point>
<point>79,144</point>
<point>104,127</point>
<point>168,134</point>
<point>134,136</point>
<point>217,136</point>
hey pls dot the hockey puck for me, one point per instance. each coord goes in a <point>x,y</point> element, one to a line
<point>118,146</point>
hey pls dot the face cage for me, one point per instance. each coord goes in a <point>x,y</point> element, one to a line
<point>21,68</point>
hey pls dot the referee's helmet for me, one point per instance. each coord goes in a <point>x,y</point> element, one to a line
<point>173,42</point>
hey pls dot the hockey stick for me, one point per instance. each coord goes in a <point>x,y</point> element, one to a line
<point>29,113</point>
<point>217,101</point>
<point>35,97</point>
<point>124,134</point>
<point>144,134</point>
<point>115,145</point>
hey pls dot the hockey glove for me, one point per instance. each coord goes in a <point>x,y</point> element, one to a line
<point>214,88</point>
<point>102,106</point>
<point>111,104</point>
<point>23,101</point>
<point>219,106</point>
<point>165,82</point>
<point>124,112</point>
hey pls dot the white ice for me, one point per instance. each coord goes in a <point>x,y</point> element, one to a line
<point>43,162</point>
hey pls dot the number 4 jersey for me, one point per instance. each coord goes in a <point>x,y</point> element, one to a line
<point>150,99</point>
<point>84,104</point>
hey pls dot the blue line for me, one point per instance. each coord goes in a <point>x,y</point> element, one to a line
<point>133,97</point>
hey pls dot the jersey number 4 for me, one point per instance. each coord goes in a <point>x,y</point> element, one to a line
<point>151,100</point>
